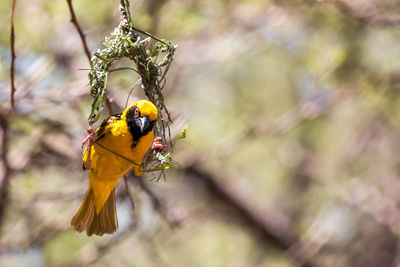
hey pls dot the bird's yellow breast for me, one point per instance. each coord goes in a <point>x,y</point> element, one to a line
<point>115,151</point>
<point>106,165</point>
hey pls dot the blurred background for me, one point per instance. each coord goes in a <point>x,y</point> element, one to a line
<point>292,151</point>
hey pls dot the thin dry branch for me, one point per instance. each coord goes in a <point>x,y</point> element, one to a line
<point>84,44</point>
<point>109,107</point>
<point>4,168</point>
<point>87,52</point>
<point>79,29</point>
<point>12,68</point>
<point>125,14</point>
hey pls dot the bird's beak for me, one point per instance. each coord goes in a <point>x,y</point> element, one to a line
<point>143,123</point>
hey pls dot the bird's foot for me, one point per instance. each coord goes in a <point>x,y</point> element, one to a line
<point>90,138</point>
<point>158,144</point>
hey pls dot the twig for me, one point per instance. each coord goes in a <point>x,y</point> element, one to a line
<point>125,13</point>
<point>149,35</point>
<point>84,44</point>
<point>109,107</point>
<point>12,68</point>
<point>5,169</point>
<point>87,52</point>
<point>78,28</point>
<point>130,92</point>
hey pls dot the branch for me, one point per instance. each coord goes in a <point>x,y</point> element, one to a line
<point>4,169</point>
<point>109,107</point>
<point>125,12</point>
<point>85,46</point>
<point>12,68</point>
<point>78,28</point>
<point>280,238</point>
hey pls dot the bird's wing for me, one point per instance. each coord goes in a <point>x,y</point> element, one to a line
<point>103,129</point>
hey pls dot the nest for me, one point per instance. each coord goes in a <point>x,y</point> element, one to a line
<point>152,57</point>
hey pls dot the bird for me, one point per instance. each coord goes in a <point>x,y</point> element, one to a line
<point>119,144</point>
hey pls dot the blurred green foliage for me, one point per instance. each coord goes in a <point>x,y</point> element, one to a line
<point>294,106</point>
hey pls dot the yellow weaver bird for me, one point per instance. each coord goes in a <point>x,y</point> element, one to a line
<point>129,135</point>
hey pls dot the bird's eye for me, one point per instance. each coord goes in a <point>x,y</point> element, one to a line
<point>137,111</point>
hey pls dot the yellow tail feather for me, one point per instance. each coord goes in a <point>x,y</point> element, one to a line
<point>86,218</point>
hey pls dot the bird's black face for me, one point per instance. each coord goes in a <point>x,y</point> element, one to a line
<point>138,125</point>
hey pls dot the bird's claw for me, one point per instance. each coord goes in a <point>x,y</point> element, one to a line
<point>90,138</point>
<point>158,144</point>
